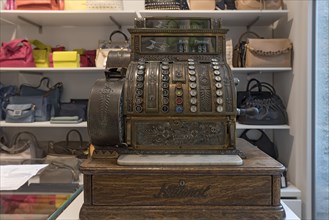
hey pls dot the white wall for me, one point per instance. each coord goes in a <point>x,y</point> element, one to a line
<point>295,87</point>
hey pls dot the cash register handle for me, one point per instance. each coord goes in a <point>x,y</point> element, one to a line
<point>247,111</point>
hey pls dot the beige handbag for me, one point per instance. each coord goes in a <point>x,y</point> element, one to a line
<point>202,4</point>
<point>269,53</point>
<point>101,57</point>
<point>259,4</point>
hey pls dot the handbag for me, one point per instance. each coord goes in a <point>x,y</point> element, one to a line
<point>269,53</point>
<point>9,5</point>
<point>87,57</point>
<point>20,113</point>
<point>61,169</point>
<point>270,106</point>
<point>16,53</point>
<point>74,109</point>
<point>41,53</point>
<point>79,148</point>
<point>263,142</point>
<point>239,50</point>
<point>53,93</point>
<point>259,4</point>
<point>40,4</point>
<point>202,4</point>
<point>5,93</point>
<point>162,5</point>
<point>23,145</point>
<point>41,103</point>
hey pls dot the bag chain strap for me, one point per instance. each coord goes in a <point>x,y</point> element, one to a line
<point>269,53</point>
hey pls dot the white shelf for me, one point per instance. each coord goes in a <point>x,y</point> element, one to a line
<point>291,192</point>
<point>47,124</point>
<point>242,126</point>
<point>52,70</point>
<point>229,17</point>
<point>70,18</point>
<point>44,124</point>
<point>126,18</point>
<point>260,69</point>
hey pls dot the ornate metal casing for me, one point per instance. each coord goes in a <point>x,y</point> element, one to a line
<point>177,95</point>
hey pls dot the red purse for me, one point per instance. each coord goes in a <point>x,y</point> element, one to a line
<point>39,4</point>
<point>16,53</point>
<point>87,59</point>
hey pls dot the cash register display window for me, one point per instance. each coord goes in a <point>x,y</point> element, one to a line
<point>178,23</point>
<point>178,44</point>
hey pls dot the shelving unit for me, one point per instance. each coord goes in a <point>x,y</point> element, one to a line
<point>236,19</point>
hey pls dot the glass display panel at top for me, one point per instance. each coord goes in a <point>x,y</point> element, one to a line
<point>178,44</point>
<point>178,23</point>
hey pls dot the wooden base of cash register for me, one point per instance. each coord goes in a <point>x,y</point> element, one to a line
<point>249,191</point>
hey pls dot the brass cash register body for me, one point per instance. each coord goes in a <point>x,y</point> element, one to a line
<point>177,94</point>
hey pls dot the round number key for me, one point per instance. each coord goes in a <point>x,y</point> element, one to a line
<point>193,92</point>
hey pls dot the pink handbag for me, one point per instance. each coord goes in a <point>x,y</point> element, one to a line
<point>16,53</point>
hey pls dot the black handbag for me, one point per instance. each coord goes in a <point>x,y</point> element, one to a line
<point>74,108</point>
<point>5,93</point>
<point>79,148</point>
<point>263,143</point>
<point>53,93</point>
<point>270,106</point>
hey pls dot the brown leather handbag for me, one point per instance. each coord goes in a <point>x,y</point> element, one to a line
<point>269,53</point>
<point>258,4</point>
<point>39,4</point>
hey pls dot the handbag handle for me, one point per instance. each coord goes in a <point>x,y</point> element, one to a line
<point>68,137</point>
<point>13,150</point>
<point>258,84</point>
<point>118,32</point>
<point>246,33</point>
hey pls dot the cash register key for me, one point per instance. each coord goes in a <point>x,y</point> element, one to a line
<point>179,101</point>
<point>214,60</point>
<point>139,85</point>
<point>165,85</point>
<point>179,85</point>
<point>165,63</point>
<point>165,67</point>
<point>179,92</point>
<point>193,92</point>
<point>139,101</point>
<point>191,72</point>
<point>193,85</point>
<point>190,60</point>
<point>179,109</point>
<point>165,108</point>
<point>220,108</point>
<point>165,92</point>
<point>141,67</point>
<point>140,78</point>
<point>215,63</point>
<point>193,100</point>
<point>192,78</point>
<point>191,63</point>
<point>165,72</point>
<point>139,92</point>
<point>216,72</point>
<point>215,67</point>
<point>140,72</point>
<point>218,85</point>
<point>193,108</point>
<point>165,78</point>
<point>191,67</point>
<point>165,101</point>
<point>219,101</point>
<point>139,108</point>
<point>219,92</point>
<point>218,78</point>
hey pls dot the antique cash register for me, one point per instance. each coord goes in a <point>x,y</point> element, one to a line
<point>174,102</point>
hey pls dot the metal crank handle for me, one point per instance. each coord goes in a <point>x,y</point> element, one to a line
<point>247,111</point>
